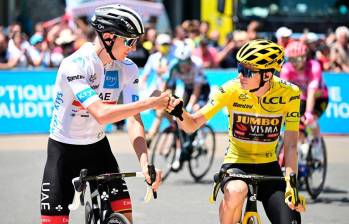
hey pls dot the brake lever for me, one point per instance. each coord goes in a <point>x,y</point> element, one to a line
<point>152,174</point>
<point>293,183</point>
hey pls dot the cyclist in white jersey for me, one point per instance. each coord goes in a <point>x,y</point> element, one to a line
<point>87,88</point>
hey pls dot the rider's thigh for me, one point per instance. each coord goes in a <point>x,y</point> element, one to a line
<point>277,210</point>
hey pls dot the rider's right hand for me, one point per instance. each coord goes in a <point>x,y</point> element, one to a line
<point>159,100</point>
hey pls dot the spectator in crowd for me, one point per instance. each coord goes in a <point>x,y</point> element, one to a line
<point>207,54</point>
<point>283,36</point>
<point>235,40</point>
<point>230,49</point>
<point>213,39</point>
<point>323,56</point>
<point>66,41</point>
<point>179,36</point>
<point>140,55</point>
<point>18,55</point>
<point>39,30</point>
<point>312,40</point>
<point>14,28</point>
<point>150,37</point>
<point>204,29</point>
<point>252,29</point>
<point>192,28</point>
<point>3,48</point>
<point>340,50</point>
<point>36,51</point>
<point>158,63</point>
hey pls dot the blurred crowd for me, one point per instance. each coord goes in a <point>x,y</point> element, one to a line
<point>53,40</point>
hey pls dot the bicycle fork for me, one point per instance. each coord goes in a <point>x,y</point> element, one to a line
<point>251,215</point>
<point>100,213</point>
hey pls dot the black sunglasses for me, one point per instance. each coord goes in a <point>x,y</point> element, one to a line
<point>246,72</point>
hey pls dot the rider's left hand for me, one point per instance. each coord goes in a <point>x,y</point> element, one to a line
<point>290,200</point>
<point>155,185</point>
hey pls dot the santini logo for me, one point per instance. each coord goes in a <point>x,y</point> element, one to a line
<point>247,106</point>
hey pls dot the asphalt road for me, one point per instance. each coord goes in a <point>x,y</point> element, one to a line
<point>180,200</point>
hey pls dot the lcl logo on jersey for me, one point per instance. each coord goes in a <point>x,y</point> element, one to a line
<point>273,104</point>
<point>111,80</point>
<point>273,100</point>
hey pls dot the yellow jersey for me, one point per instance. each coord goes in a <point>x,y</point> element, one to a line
<point>255,122</point>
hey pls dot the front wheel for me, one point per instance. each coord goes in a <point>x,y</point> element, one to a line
<point>317,168</point>
<point>203,150</point>
<point>251,218</point>
<point>116,218</point>
<point>164,151</point>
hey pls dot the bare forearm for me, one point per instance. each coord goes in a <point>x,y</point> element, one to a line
<point>290,147</point>
<point>191,122</point>
<point>137,138</point>
<point>291,158</point>
<point>310,100</point>
<point>113,113</point>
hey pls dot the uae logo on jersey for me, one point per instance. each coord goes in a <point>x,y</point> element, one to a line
<point>111,80</point>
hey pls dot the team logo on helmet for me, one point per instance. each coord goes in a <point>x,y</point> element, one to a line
<point>100,27</point>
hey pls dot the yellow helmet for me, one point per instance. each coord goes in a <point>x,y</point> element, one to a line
<point>261,54</point>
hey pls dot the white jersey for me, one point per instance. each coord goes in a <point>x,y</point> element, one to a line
<point>82,80</point>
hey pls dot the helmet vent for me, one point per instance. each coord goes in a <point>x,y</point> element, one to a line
<point>263,51</point>
<point>251,58</point>
<point>262,62</point>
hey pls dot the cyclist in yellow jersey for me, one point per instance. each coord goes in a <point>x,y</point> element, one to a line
<point>258,104</point>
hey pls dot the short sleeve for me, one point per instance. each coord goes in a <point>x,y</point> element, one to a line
<point>292,110</point>
<point>217,101</point>
<point>131,89</point>
<point>75,77</point>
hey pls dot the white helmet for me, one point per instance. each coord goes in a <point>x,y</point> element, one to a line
<point>183,52</point>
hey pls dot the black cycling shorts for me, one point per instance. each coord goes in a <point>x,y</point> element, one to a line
<point>271,194</point>
<point>64,162</point>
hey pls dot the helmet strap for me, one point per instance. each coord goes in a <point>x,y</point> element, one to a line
<point>261,84</point>
<point>107,47</point>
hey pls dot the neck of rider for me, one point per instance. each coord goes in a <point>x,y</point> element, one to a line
<point>101,51</point>
<point>267,77</point>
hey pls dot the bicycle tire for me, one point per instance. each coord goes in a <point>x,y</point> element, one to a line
<point>202,150</point>
<point>88,214</point>
<point>164,151</point>
<point>313,166</point>
<point>116,218</point>
<point>251,218</point>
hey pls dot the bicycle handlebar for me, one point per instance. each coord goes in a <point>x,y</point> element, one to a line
<point>79,184</point>
<point>251,179</point>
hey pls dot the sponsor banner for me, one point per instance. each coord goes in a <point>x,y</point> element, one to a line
<point>336,117</point>
<point>26,101</point>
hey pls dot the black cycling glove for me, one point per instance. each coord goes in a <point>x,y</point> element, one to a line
<point>178,110</point>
